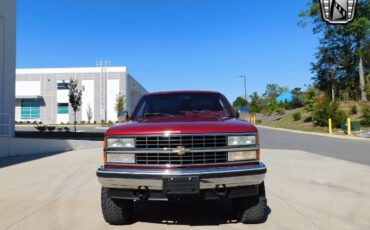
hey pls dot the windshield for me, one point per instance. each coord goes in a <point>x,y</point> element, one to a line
<point>182,105</point>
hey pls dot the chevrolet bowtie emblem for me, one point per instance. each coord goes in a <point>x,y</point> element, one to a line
<point>180,150</point>
<point>338,11</point>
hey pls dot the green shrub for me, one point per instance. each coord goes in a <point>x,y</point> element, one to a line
<point>354,110</point>
<point>365,114</point>
<point>51,128</point>
<point>280,111</point>
<point>297,116</point>
<point>41,128</point>
<point>326,109</point>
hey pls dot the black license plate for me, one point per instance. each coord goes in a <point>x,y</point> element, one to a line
<point>178,185</point>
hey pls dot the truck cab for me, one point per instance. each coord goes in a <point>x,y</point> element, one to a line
<point>182,145</point>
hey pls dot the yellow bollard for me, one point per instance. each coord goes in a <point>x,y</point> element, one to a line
<point>330,126</point>
<point>349,128</point>
<point>254,120</point>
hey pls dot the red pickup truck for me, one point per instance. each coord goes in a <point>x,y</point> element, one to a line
<point>183,145</point>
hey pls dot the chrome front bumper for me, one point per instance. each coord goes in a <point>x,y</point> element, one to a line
<point>209,178</point>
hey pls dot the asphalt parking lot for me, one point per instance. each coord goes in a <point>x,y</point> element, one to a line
<point>304,190</point>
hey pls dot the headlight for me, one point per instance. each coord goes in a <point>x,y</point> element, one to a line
<point>127,158</point>
<point>241,140</point>
<point>242,155</point>
<point>120,143</point>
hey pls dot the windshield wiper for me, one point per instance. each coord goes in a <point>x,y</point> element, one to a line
<point>157,115</point>
<point>210,111</point>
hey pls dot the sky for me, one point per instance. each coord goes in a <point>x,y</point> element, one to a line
<point>172,44</point>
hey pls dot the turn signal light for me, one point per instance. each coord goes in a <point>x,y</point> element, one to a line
<point>105,153</point>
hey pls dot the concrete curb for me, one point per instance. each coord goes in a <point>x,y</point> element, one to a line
<point>317,134</point>
<point>25,146</point>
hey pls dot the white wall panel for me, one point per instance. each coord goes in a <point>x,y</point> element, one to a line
<point>62,118</point>
<point>112,93</point>
<point>62,96</point>
<point>18,113</point>
<point>28,88</point>
<point>87,99</point>
<point>7,67</point>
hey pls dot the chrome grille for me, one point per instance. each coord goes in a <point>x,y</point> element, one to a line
<point>186,141</point>
<point>188,158</point>
<point>161,142</point>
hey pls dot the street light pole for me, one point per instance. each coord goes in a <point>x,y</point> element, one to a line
<point>245,86</point>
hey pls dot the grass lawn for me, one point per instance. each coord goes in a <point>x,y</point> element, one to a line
<point>287,122</point>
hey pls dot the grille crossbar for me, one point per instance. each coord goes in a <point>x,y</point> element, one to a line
<point>185,141</point>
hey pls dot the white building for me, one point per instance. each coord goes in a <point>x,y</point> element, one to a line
<point>7,66</point>
<point>42,94</point>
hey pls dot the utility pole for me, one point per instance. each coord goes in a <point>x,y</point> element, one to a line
<point>245,86</point>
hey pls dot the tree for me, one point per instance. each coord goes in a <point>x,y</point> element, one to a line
<point>239,102</point>
<point>297,101</point>
<point>256,103</point>
<point>89,113</point>
<point>326,109</point>
<point>273,91</point>
<point>360,30</point>
<point>329,64</point>
<point>342,50</point>
<point>120,103</point>
<point>75,98</point>
<point>310,101</point>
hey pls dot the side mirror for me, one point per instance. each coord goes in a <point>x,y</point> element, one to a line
<point>242,113</point>
<point>123,116</point>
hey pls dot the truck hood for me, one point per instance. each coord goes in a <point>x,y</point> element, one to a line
<point>182,125</point>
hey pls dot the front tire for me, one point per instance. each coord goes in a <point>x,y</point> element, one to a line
<point>115,212</point>
<point>251,210</point>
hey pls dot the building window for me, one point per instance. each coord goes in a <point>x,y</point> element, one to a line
<point>30,109</point>
<point>63,85</point>
<point>63,108</point>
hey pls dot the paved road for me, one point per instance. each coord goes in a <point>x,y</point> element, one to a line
<point>345,149</point>
<point>304,190</point>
